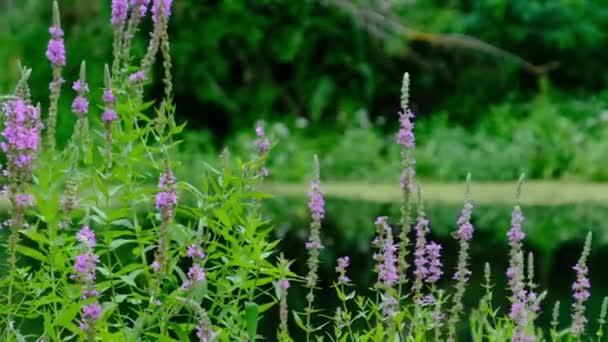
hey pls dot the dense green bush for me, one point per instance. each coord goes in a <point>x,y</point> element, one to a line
<point>238,61</point>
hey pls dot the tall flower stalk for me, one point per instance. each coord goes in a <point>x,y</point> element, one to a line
<point>109,116</point>
<point>316,205</point>
<point>166,201</point>
<point>120,9</point>
<point>421,263</point>
<point>20,144</point>
<point>56,55</point>
<point>283,286</point>
<point>137,12</point>
<point>515,273</point>
<point>580,289</point>
<point>406,139</point>
<point>262,146</point>
<point>80,107</point>
<point>387,272</point>
<point>464,234</point>
<point>85,266</point>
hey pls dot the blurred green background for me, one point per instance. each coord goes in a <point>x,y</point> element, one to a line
<point>499,87</point>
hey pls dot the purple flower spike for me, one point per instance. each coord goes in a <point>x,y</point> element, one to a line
<point>108,97</point>
<point>55,51</point>
<point>343,264</point>
<point>137,77</point>
<point>196,252</point>
<point>317,202</point>
<point>156,8</point>
<point>86,236</point>
<point>109,116</point>
<point>119,12</point>
<point>80,106</point>
<point>515,234</point>
<point>433,253</point>
<point>580,290</point>
<point>81,87</point>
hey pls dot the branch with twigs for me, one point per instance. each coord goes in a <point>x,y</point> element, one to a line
<point>384,25</point>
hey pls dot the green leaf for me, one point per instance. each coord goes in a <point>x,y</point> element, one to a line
<point>130,279</point>
<point>299,322</point>
<point>32,253</point>
<point>251,318</point>
<point>119,242</point>
<point>68,314</point>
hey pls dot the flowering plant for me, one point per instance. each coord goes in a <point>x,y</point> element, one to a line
<point>106,244</point>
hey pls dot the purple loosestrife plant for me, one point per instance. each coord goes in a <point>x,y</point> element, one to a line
<point>137,11</point>
<point>20,144</point>
<point>343,317</point>
<point>262,146</point>
<point>515,273</point>
<point>56,55</point>
<point>85,266</point>
<point>464,234</point>
<point>405,138</point>
<point>166,201</point>
<point>519,300</point>
<point>421,263</point>
<point>435,267</point>
<point>120,11</point>
<point>580,289</point>
<point>154,43</point>
<point>316,205</point>
<point>387,272</point>
<point>343,264</point>
<point>137,77</point>
<point>80,107</point>
<point>282,287</point>
<point>161,7</point>
<point>109,115</point>
<point>196,273</point>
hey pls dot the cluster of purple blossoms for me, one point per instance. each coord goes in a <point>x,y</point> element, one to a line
<point>21,134</point>
<point>284,284</point>
<point>515,234</point>
<point>316,204</point>
<point>434,269</point>
<point>109,115</point>
<point>137,77</point>
<point>80,105</point>
<point>90,315</point>
<point>465,228</point>
<point>387,270</point>
<point>195,252</point>
<point>161,5</point>
<point>343,264</point>
<point>420,262</point>
<point>406,139</point>
<point>166,198</point>
<point>204,333</point>
<point>119,12</point>
<point>55,51</point>
<point>85,266</point>
<point>262,144</point>
<point>143,6</point>
<point>464,234</point>
<point>580,289</point>
<point>196,274</point>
